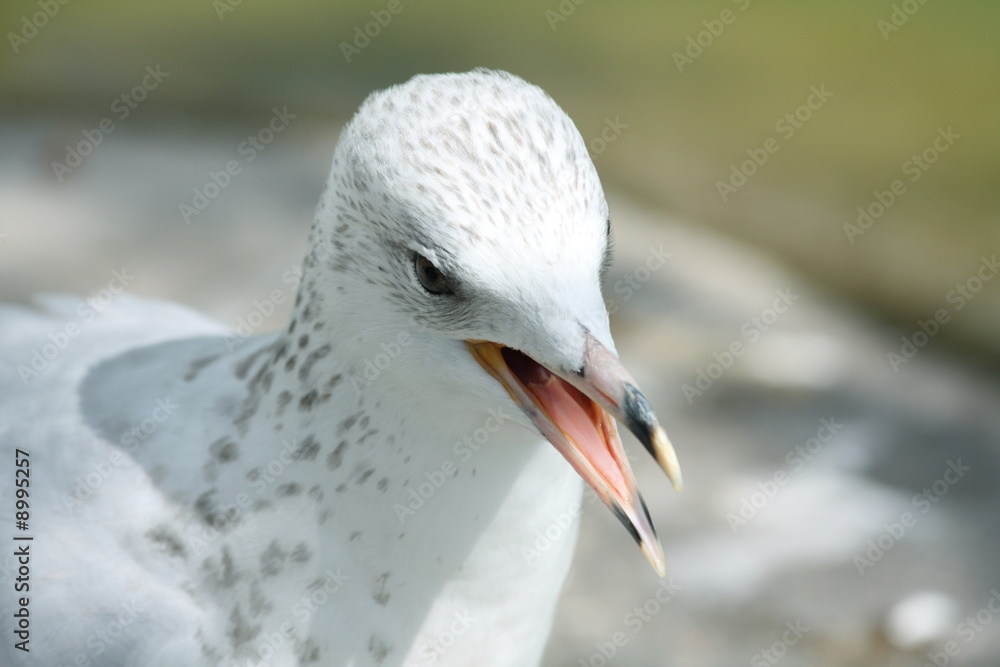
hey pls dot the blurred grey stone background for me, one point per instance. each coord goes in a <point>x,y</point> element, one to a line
<point>838,510</point>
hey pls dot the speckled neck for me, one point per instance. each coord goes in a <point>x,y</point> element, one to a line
<point>322,487</point>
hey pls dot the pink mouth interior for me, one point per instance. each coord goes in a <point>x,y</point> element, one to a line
<point>583,422</point>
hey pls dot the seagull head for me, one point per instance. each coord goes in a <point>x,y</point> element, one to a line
<point>464,210</point>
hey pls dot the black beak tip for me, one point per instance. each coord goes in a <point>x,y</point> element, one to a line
<point>639,415</point>
<point>628,522</point>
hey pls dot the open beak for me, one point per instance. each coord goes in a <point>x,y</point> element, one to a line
<point>576,412</point>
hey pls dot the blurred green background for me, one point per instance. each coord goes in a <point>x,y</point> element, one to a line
<point>683,131</point>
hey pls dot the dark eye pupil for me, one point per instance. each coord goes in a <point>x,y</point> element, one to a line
<point>430,277</point>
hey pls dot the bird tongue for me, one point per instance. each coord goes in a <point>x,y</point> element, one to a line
<point>583,422</point>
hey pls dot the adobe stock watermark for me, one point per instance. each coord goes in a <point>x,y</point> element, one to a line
<point>463,450</point>
<point>958,297</point>
<point>33,23</point>
<point>696,44</point>
<point>922,503</point>
<point>612,130</point>
<point>432,650</point>
<point>86,485</point>
<point>363,35</point>
<point>8,568</point>
<point>220,516</point>
<point>121,108</point>
<point>751,330</point>
<point>786,126</point>
<point>916,166</point>
<point>320,592</point>
<point>562,522</point>
<point>795,631</point>
<point>370,368</point>
<point>263,309</point>
<point>373,366</point>
<point>632,282</point>
<point>796,459</point>
<point>899,17</point>
<point>248,150</point>
<point>555,189</point>
<point>562,12</point>
<point>89,310</point>
<point>970,628</point>
<point>102,639</point>
<point>633,623</point>
<point>223,7</point>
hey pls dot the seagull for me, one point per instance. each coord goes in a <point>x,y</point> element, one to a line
<point>362,486</point>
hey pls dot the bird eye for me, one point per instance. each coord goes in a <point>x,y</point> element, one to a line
<point>430,276</point>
